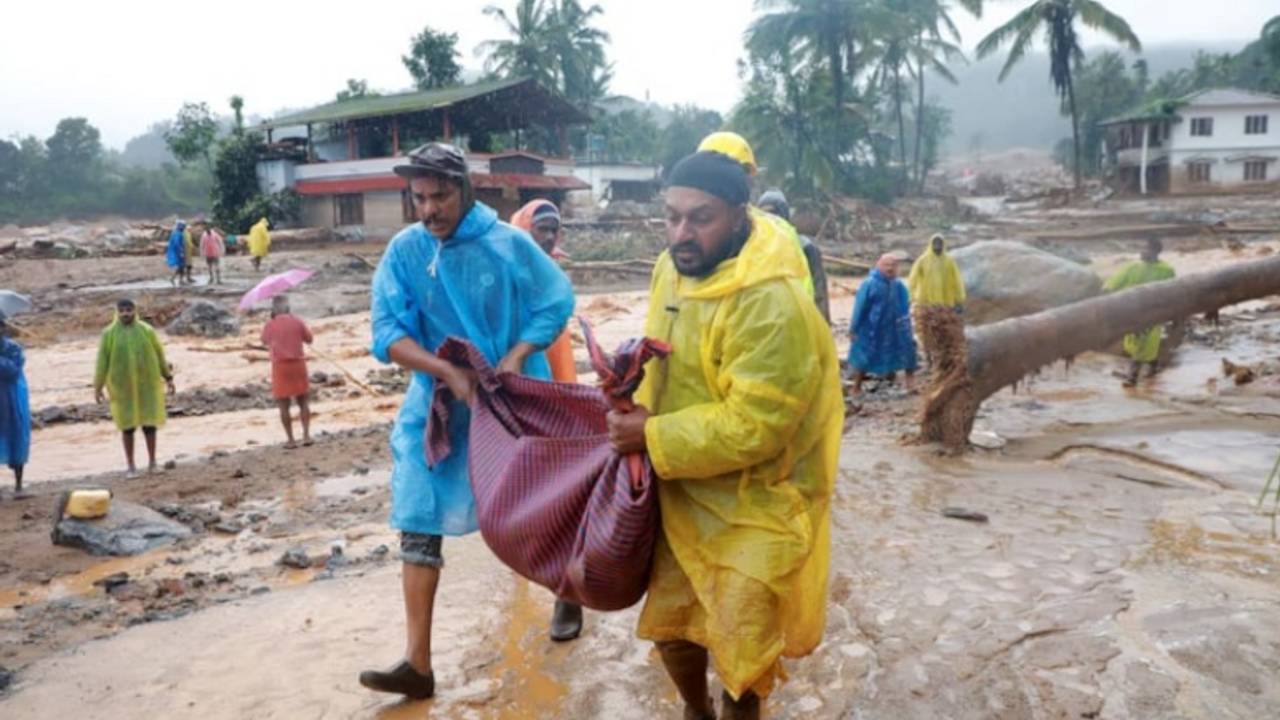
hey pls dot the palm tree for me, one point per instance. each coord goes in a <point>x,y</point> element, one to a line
<point>932,51</point>
<point>579,50</point>
<point>825,31</point>
<point>527,53</point>
<point>1057,18</point>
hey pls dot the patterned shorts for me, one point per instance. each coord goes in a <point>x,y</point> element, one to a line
<point>419,549</point>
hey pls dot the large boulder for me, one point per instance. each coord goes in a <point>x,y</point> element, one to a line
<point>205,319</point>
<point>127,529</point>
<point>1009,279</point>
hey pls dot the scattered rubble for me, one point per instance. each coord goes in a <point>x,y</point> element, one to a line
<point>205,319</point>
<point>128,529</point>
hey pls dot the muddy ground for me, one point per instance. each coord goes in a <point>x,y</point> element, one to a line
<point>1123,572</point>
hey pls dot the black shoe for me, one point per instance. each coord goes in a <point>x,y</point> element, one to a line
<point>566,621</point>
<point>402,679</point>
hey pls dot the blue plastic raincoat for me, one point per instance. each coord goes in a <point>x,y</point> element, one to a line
<point>15,406</point>
<point>490,284</point>
<point>881,326</point>
<point>175,253</point>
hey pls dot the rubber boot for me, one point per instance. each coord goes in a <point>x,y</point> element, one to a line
<point>686,663</point>
<point>566,621</point>
<point>746,707</point>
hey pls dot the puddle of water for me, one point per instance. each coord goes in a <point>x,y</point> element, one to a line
<point>81,583</point>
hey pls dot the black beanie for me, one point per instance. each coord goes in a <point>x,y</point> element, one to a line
<point>713,173</point>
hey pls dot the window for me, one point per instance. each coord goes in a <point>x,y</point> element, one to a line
<point>1202,127</point>
<point>348,210</point>
<point>1198,172</point>
<point>1255,170</point>
<point>1255,125</point>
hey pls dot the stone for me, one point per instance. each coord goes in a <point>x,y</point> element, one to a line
<point>6,678</point>
<point>55,414</point>
<point>296,558</point>
<point>205,319</point>
<point>230,527</point>
<point>128,529</point>
<point>1009,279</point>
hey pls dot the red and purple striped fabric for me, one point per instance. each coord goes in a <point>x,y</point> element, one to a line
<point>555,502</point>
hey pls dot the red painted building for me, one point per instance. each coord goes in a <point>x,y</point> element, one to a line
<point>342,154</point>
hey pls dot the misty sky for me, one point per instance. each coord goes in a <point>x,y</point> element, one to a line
<point>127,64</point>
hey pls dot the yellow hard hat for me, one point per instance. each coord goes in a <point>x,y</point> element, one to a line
<point>733,145</point>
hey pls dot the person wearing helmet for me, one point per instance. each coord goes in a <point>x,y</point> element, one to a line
<point>736,147</point>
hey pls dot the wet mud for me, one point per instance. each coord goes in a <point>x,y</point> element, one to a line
<point>1124,571</point>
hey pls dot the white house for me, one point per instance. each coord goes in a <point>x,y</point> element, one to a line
<point>1213,140</point>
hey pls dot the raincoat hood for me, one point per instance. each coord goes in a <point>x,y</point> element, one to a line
<point>768,254</point>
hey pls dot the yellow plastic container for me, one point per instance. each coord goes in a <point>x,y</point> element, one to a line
<point>87,504</point>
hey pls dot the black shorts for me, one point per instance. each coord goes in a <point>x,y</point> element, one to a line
<point>419,549</point>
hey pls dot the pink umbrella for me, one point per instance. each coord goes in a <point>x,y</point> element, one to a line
<point>274,285</point>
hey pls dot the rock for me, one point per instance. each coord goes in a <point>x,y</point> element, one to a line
<point>128,529</point>
<point>295,558</point>
<point>336,558</point>
<point>170,464</point>
<point>55,414</point>
<point>205,319</point>
<point>229,527</point>
<point>129,591</point>
<point>319,378</point>
<point>1009,279</point>
<point>239,473</point>
<point>6,678</point>
<point>112,581</point>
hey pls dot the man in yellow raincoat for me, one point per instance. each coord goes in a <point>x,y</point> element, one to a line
<point>259,243</point>
<point>1143,347</point>
<point>743,424</point>
<point>133,372</point>
<point>935,281</point>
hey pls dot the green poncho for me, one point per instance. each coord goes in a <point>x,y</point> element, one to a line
<point>131,366</point>
<point>1143,346</point>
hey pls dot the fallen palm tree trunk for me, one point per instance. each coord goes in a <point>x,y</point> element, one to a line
<point>998,355</point>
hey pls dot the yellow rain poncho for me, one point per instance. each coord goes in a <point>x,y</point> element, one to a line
<point>259,241</point>
<point>132,367</point>
<point>935,278</point>
<point>1142,346</point>
<point>788,230</point>
<point>745,436</point>
<point>190,244</point>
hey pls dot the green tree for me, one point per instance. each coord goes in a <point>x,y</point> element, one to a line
<point>689,124</point>
<point>1105,88</point>
<point>629,136</point>
<point>193,134</point>
<point>825,32</point>
<point>579,50</point>
<point>528,52</point>
<point>355,89</point>
<point>432,60</point>
<point>237,109</point>
<point>74,153</point>
<point>1057,20</point>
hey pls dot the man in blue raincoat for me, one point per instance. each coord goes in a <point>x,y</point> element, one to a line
<point>15,408</point>
<point>460,272</point>
<point>880,330</point>
<point>175,253</point>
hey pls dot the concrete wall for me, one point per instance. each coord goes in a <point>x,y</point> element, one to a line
<point>276,175</point>
<point>383,216</point>
<point>1226,149</point>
